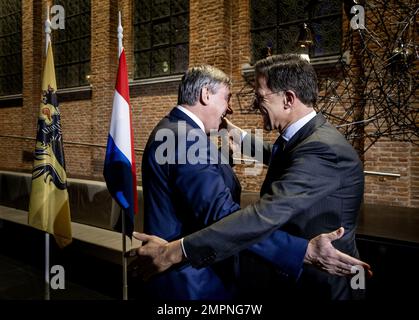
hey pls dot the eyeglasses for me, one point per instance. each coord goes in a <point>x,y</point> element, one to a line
<point>258,99</point>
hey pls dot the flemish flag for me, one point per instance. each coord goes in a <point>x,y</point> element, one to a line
<point>49,208</point>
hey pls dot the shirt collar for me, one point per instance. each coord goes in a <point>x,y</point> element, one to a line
<point>192,116</point>
<point>293,128</point>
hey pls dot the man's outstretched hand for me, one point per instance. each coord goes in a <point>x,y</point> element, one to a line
<point>321,253</point>
<point>155,254</point>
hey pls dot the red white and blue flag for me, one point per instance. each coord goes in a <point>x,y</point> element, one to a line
<point>119,169</point>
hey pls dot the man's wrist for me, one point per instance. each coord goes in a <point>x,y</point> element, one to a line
<point>174,252</point>
<point>308,259</point>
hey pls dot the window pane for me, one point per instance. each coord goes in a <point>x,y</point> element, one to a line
<point>160,62</point>
<point>72,45</point>
<point>84,23</point>
<point>10,47</point>
<point>260,42</point>
<point>84,68</point>
<point>84,51</point>
<point>72,53</point>
<point>3,44</point>
<point>287,38</point>
<point>161,33</point>
<point>263,13</point>
<point>325,7</point>
<point>142,34</point>
<point>180,29</point>
<point>160,8</point>
<point>327,37</point>
<point>72,27</point>
<point>179,6</point>
<point>142,11</point>
<point>180,58</point>
<point>323,17</point>
<point>161,36</point>
<point>292,10</point>
<point>61,75</point>
<point>142,65</point>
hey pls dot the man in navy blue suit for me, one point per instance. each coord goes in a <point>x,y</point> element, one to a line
<point>188,184</point>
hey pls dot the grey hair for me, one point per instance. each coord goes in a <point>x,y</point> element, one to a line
<point>198,77</point>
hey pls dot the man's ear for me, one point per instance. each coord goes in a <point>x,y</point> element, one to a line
<point>290,98</point>
<point>205,96</point>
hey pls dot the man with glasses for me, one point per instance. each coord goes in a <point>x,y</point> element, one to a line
<point>314,185</point>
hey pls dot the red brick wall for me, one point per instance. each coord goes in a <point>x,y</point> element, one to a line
<point>219,35</point>
<point>392,157</point>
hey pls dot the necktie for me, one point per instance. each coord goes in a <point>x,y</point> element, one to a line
<point>277,149</point>
<point>278,146</point>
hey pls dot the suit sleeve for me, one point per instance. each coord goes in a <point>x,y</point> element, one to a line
<point>256,148</point>
<point>202,188</point>
<point>311,177</point>
<point>210,200</point>
<point>284,251</point>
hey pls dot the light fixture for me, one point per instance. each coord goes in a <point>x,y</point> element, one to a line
<point>304,42</point>
<point>165,66</point>
<point>305,38</point>
<point>402,53</point>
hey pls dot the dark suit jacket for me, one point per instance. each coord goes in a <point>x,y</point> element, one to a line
<point>181,197</point>
<point>313,186</point>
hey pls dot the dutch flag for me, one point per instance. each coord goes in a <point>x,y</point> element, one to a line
<point>119,169</point>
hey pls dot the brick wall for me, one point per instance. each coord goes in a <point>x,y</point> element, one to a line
<point>219,35</point>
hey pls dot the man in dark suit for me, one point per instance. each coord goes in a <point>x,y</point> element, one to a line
<point>188,184</point>
<point>182,196</point>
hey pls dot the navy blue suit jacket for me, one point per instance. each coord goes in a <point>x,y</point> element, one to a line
<point>181,196</point>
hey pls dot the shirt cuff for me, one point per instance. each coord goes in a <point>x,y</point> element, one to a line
<point>183,248</point>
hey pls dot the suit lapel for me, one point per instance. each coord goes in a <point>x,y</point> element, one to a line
<point>305,131</point>
<point>178,115</point>
<point>279,157</point>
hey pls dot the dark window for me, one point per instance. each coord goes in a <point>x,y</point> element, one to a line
<point>71,45</point>
<point>276,24</point>
<point>161,45</point>
<point>10,47</point>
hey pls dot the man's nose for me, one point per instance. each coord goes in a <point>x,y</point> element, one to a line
<point>229,110</point>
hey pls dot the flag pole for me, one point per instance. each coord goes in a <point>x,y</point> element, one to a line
<point>120,35</point>
<point>47,286</point>
<point>124,244</point>
<point>124,259</point>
